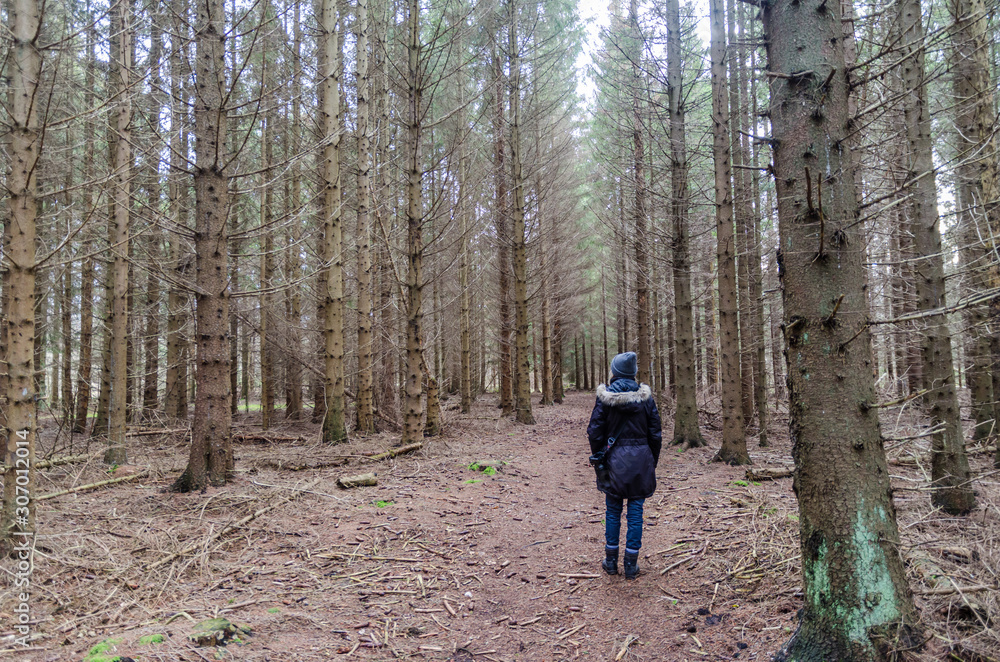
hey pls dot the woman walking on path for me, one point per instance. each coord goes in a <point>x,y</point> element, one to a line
<point>626,407</point>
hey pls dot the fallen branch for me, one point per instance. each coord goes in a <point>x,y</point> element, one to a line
<point>92,486</point>
<point>229,527</point>
<point>769,473</point>
<point>948,590</point>
<point>147,433</point>
<point>57,461</point>
<point>290,465</point>
<point>262,438</point>
<point>629,640</point>
<point>357,481</point>
<point>393,452</point>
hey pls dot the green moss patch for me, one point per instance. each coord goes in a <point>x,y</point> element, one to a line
<point>100,652</point>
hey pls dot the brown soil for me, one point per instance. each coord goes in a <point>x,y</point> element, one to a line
<point>441,562</point>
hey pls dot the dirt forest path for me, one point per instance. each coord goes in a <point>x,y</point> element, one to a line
<point>437,562</point>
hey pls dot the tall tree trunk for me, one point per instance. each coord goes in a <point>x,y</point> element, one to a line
<point>557,360</point>
<point>53,364</point>
<point>734,445</point>
<point>175,388</point>
<point>334,426</point>
<point>414,227</point>
<point>365,398</point>
<point>66,309</point>
<point>710,334</point>
<point>949,464</point>
<point>686,429</point>
<point>857,602</point>
<point>293,371</point>
<point>522,383</point>
<point>386,383</point>
<point>267,302</point>
<point>100,426</point>
<point>175,396</point>
<point>639,207</point>
<point>979,201</point>
<point>267,317</point>
<point>211,457</point>
<point>755,277</point>
<point>500,211</point>
<point>120,75</point>
<point>151,182</point>
<point>85,364</point>
<point>741,211</point>
<point>464,266</point>
<point>17,521</point>
<point>150,392</point>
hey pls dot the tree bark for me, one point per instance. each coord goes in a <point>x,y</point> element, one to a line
<point>949,464</point>
<point>979,200</point>
<point>17,520</point>
<point>857,602</point>
<point>151,341</point>
<point>211,457</point>
<point>85,364</point>
<point>464,266</point>
<point>293,371</point>
<point>414,240</point>
<point>639,208</point>
<point>522,383</point>
<point>365,397</point>
<point>741,211</point>
<point>686,430</point>
<point>755,275</point>
<point>734,445</point>
<point>334,427</point>
<point>66,310</point>
<point>174,389</point>
<point>501,223</point>
<point>120,75</point>
<point>267,303</point>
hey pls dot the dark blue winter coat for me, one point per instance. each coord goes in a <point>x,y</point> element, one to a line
<point>636,451</point>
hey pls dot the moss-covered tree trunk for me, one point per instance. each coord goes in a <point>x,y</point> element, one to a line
<point>686,430</point>
<point>857,605</point>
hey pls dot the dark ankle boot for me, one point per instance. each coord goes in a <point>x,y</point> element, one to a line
<point>610,562</point>
<point>631,565</point>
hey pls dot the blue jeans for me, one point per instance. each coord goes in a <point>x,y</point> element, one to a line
<point>613,523</point>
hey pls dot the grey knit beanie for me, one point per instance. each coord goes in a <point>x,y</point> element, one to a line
<point>625,365</point>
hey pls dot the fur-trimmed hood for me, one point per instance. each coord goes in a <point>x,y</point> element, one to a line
<point>623,398</point>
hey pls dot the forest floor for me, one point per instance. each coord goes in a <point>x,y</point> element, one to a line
<point>443,562</point>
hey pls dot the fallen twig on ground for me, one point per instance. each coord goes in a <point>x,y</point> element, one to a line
<point>92,486</point>
<point>229,527</point>
<point>393,452</point>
